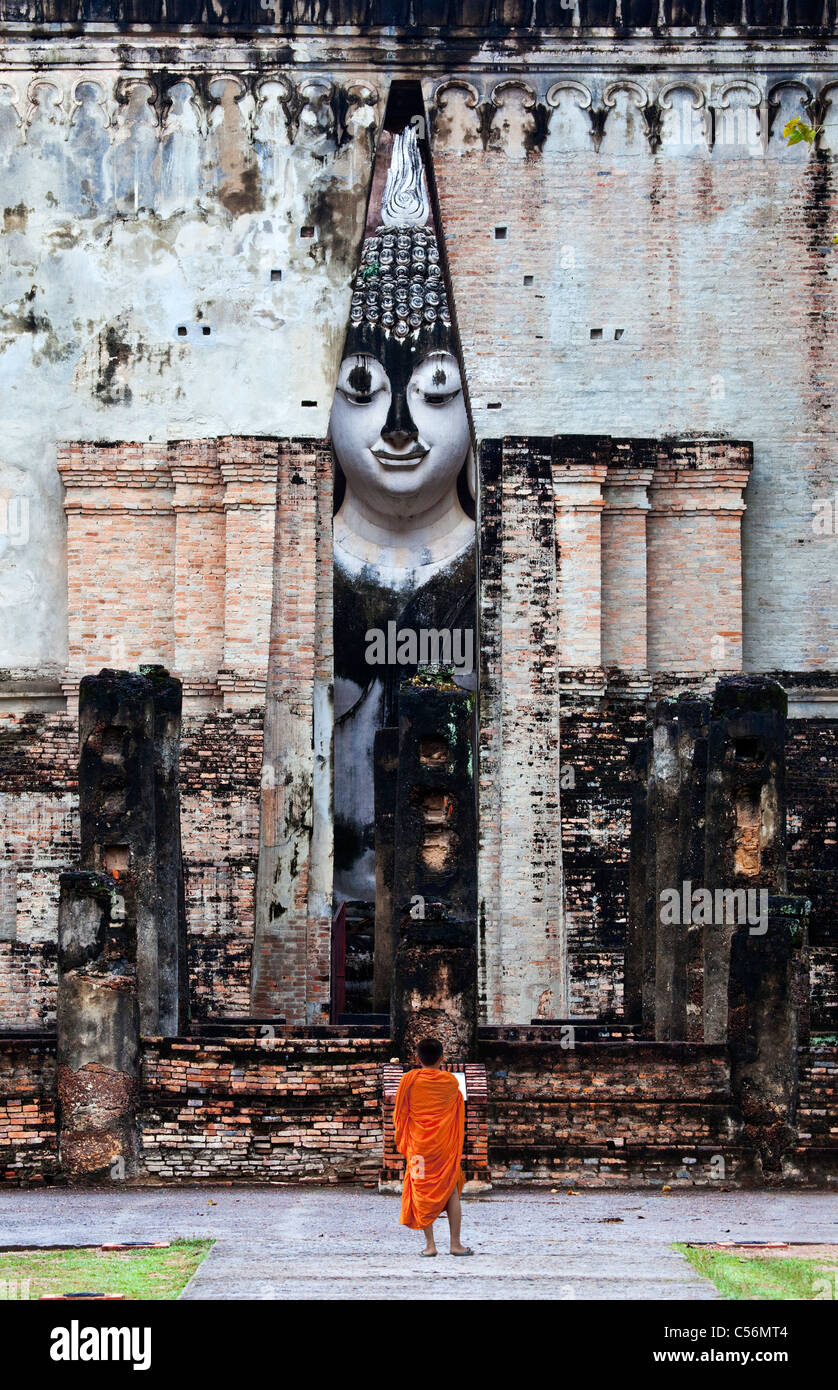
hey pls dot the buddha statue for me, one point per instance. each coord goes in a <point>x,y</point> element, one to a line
<point>404,542</point>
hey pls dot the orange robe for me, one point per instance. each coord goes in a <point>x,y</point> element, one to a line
<point>429,1119</point>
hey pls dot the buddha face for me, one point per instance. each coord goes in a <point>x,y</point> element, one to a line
<point>400,433</point>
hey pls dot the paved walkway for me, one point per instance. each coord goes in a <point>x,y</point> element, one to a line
<point>294,1242</point>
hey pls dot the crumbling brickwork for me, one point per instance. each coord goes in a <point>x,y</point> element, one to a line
<point>221,759</point>
<point>280,1108</point>
<point>817,1111</point>
<point>28,1129</point>
<point>812,796</point>
<point>294,1106</point>
<point>38,838</point>
<point>602,721</point>
<point>294,875</point>
<point>221,763</point>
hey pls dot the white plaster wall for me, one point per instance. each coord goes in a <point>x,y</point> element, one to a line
<point>132,205</point>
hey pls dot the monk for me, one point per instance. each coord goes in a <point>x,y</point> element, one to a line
<point>429,1119</point>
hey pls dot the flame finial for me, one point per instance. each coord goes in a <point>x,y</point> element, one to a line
<point>405,202</point>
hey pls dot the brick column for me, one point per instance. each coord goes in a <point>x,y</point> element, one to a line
<point>693,558</point>
<point>199,569</point>
<point>292,933</point>
<point>522,949</point>
<point>248,468</point>
<point>768,1024</point>
<point>625,504</point>
<point>580,466</point>
<point>98,1032</point>
<point>120,556</point>
<point>435,960</point>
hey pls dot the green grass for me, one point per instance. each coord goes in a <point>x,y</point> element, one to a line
<point>763,1276</point>
<point>146,1274</point>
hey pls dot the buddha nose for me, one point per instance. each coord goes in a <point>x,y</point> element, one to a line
<point>399,429</point>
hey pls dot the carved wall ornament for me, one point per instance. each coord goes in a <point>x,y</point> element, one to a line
<point>45,105</point>
<point>444,114</point>
<point>583,95</point>
<point>689,123</point>
<point>524,131</point>
<point>625,84</point>
<point>774,102</point>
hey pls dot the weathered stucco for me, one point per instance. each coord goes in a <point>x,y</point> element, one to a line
<point>178,249</point>
<point>677,255</point>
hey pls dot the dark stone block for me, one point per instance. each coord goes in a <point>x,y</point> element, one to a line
<point>129,809</point>
<point>98,1031</point>
<point>435,893</point>
<point>386,763</point>
<point>767,1025</point>
<point>709,831</point>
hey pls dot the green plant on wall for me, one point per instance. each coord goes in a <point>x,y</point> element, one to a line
<point>797,130</point>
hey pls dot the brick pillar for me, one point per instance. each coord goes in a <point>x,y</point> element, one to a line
<point>745,818</point>
<point>435,887</point>
<point>709,831</point>
<point>636,934</point>
<point>199,589</point>
<point>694,559</point>
<point>292,936</point>
<point>693,752</point>
<point>248,468</point>
<point>673,856</point>
<point>386,765</point>
<point>120,556</point>
<point>523,957</point>
<point>580,468</point>
<point>98,1028</point>
<point>129,814</point>
<point>625,504</point>
<point>768,1024</point>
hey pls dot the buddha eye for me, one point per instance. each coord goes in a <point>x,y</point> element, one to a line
<point>357,397</point>
<point>440,398</point>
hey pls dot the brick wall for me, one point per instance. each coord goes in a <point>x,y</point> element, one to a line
<point>598,735</point>
<point>812,816</point>
<point>221,763</point>
<point>291,959</point>
<point>295,1109</point>
<point>817,1112</point>
<point>305,1106</point>
<point>28,1133</point>
<point>170,559</point>
<point>38,838</point>
<point>601,286</point>
<point>221,759</point>
<point>120,554</point>
<point>521,942</point>
<point>607,1112</point>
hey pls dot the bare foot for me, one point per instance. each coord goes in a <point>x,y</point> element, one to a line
<point>458,1249</point>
